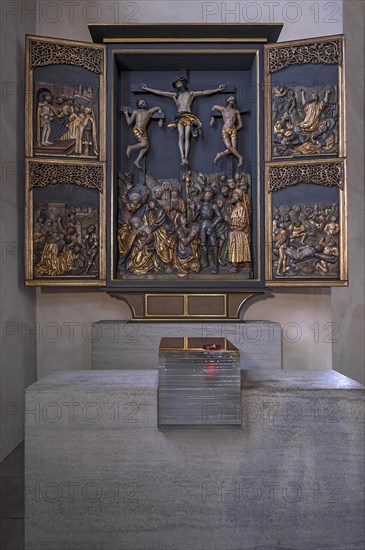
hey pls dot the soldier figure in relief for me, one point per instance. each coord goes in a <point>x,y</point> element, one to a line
<point>209,216</point>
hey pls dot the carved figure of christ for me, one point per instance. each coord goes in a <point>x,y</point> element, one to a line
<point>187,123</point>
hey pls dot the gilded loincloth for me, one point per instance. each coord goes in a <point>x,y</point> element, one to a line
<point>187,119</point>
<point>139,133</point>
<point>230,133</point>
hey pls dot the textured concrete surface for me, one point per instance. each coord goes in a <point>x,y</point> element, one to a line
<point>12,501</point>
<point>120,344</point>
<point>100,475</point>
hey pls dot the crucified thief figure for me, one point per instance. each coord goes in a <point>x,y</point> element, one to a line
<point>141,116</point>
<point>232,123</point>
<point>186,123</point>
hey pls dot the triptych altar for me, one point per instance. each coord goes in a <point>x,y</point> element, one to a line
<point>185,158</point>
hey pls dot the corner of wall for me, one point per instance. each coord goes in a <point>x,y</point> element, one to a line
<point>18,349</point>
<point>347,304</point>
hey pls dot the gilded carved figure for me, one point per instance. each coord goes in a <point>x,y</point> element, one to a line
<point>187,248</point>
<point>143,258</point>
<point>174,205</point>
<point>140,117</point>
<point>66,121</point>
<point>130,206</point>
<point>305,121</point>
<point>186,122</point>
<point>232,124</point>
<point>281,242</point>
<point>164,240</point>
<point>86,134</point>
<point>297,231</point>
<point>201,225</point>
<point>306,240</point>
<point>313,109</point>
<point>45,116</point>
<point>238,242</point>
<point>65,241</point>
<point>330,251</point>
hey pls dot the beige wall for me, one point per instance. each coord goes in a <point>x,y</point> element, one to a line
<point>305,319</point>
<point>301,18</point>
<point>64,327</point>
<point>17,353</point>
<point>297,311</point>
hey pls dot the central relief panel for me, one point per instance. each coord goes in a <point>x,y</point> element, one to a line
<point>185,157</point>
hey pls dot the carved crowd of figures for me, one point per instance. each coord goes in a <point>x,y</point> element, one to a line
<point>199,224</point>
<point>202,224</point>
<point>304,121</point>
<point>67,121</point>
<point>306,240</point>
<point>65,240</point>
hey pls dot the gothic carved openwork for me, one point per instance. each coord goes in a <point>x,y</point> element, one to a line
<point>326,53</point>
<point>324,173</point>
<point>48,53</point>
<point>90,176</point>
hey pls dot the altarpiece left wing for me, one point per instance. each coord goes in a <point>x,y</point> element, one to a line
<point>65,162</point>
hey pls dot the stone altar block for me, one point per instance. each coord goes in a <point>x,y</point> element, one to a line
<point>119,344</point>
<point>100,475</point>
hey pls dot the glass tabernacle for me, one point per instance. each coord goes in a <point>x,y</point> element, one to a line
<point>199,384</point>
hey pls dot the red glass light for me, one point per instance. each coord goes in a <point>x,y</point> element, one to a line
<point>212,369</point>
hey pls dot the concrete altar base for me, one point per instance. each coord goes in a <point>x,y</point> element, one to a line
<point>100,475</point>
